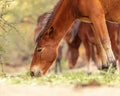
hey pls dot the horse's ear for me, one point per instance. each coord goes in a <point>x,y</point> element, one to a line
<point>51,31</point>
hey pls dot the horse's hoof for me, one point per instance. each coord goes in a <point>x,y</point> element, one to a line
<point>114,65</point>
<point>89,73</point>
<point>99,68</point>
<point>104,67</point>
<point>112,61</point>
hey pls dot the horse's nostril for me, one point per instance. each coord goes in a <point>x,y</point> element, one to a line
<point>31,74</point>
<point>39,74</point>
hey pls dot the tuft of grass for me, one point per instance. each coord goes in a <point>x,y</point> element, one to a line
<point>66,78</point>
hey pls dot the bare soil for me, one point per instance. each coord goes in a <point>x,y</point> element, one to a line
<point>26,90</point>
<point>55,90</point>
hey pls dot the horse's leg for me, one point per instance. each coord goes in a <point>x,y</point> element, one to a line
<point>56,66</point>
<point>96,57</point>
<point>97,17</point>
<point>88,55</point>
<point>73,52</point>
<point>118,63</point>
<point>60,66</point>
<point>119,49</point>
<point>115,47</point>
<point>114,37</point>
<point>100,49</point>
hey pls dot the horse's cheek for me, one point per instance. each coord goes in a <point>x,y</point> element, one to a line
<point>48,55</point>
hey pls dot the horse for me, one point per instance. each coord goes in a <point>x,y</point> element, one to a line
<point>73,39</point>
<point>86,36</point>
<point>64,13</point>
<point>78,33</point>
<point>41,21</point>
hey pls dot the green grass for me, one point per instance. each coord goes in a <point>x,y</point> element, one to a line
<point>66,78</point>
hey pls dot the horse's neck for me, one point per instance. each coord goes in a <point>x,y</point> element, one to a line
<point>62,20</point>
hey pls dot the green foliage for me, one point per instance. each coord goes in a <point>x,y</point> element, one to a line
<point>66,78</point>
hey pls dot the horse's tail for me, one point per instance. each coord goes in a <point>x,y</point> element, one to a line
<point>75,29</point>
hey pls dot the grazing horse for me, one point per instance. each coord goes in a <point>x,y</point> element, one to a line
<point>65,12</point>
<point>77,33</point>
<point>86,36</point>
<point>41,21</point>
<point>80,32</point>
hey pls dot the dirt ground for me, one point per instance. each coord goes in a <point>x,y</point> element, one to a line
<point>25,90</point>
<point>50,90</point>
<point>56,90</point>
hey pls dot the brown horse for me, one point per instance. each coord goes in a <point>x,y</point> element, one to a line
<point>86,36</point>
<point>80,32</point>
<point>65,12</point>
<point>41,21</point>
<point>77,33</point>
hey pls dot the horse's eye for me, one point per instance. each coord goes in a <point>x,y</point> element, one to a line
<point>39,49</point>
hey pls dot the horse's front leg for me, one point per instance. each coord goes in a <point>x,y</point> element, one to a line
<point>102,37</point>
<point>100,50</point>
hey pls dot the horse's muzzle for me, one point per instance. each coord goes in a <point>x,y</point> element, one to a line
<point>35,74</point>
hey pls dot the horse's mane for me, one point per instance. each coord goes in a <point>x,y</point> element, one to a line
<point>49,20</point>
<point>41,17</point>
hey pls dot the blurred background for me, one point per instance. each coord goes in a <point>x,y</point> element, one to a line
<point>17,23</point>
